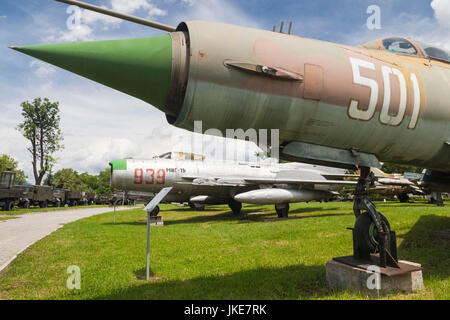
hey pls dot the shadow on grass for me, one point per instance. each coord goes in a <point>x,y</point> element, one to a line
<point>189,209</point>
<point>294,282</point>
<point>407,205</point>
<point>424,244</point>
<point>248,215</point>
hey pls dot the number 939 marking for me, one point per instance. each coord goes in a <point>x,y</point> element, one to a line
<point>151,176</point>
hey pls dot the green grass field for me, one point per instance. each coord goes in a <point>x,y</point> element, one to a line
<point>7,218</point>
<point>215,255</point>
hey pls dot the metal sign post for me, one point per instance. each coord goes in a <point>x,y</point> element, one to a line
<point>149,208</point>
<point>147,274</point>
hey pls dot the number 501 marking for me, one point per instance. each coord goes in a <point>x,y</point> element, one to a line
<point>385,117</point>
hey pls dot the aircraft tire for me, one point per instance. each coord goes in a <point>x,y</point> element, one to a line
<point>403,197</point>
<point>235,206</point>
<point>366,234</point>
<point>191,205</point>
<point>283,212</point>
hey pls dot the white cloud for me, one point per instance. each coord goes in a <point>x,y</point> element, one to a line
<point>89,21</point>
<point>216,10</point>
<point>42,69</point>
<point>127,7</point>
<point>156,12</point>
<point>442,11</point>
<point>131,6</point>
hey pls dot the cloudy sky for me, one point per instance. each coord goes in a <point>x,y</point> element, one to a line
<point>100,124</point>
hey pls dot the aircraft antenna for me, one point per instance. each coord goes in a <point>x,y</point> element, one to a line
<point>119,15</point>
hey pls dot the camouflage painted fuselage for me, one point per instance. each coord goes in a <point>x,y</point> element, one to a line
<point>328,107</point>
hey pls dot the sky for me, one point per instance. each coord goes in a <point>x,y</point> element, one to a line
<point>100,124</point>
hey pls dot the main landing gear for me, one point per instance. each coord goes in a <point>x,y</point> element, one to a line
<point>436,198</point>
<point>282,210</point>
<point>235,206</point>
<point>372,232</point>
<point>197,206</point>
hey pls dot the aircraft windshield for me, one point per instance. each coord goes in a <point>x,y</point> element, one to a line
<point>435,53</point>
<point>399,45</point>
<point>182,156</point>
<point>167,155</point>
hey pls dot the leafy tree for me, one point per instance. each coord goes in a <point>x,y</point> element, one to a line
<point>89,182</point>
<point>67,178</point>
<point>71,179</point>
<point>7,162</point>
<point>41,128</point>
<point>104,183</point>
<point>396,168</point>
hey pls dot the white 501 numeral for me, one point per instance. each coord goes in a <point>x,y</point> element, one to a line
<point>386,117</point>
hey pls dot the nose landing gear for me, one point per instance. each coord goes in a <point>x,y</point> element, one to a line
<point>372,233</point>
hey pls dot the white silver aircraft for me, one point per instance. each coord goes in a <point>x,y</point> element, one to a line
<point>201,182</point>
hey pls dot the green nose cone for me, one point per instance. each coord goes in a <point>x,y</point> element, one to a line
<point>138,67</point>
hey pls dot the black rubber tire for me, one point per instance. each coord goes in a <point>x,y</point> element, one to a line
<point>403,198</point>
<point>155,212</point>
<point>197,207</point>
<point>283,212</point>
<point>236,207</point>
<point>191,205</point>
<point>366,235</point>
<point>9,206</point>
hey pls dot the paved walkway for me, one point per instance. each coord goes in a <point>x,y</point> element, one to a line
<point>18,234</point>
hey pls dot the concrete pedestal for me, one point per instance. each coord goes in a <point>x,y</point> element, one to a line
<point>373,280</point>
<point>156,221</point>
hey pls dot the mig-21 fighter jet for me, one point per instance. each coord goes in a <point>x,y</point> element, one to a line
<point>201,182</point>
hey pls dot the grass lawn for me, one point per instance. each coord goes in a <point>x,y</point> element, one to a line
<point>215,255</point>
<point>7,218</point>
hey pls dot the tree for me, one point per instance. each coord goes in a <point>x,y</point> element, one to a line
<point>41,128</point>
<point>89,182</point>
<point>104,187</point>
<point>396,168</point>
<point>71,179</point>
<point>7,162</point>
<point>67,178</point>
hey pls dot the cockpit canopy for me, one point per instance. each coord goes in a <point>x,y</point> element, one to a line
<point>407,46</point>
<point>182,156</point>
